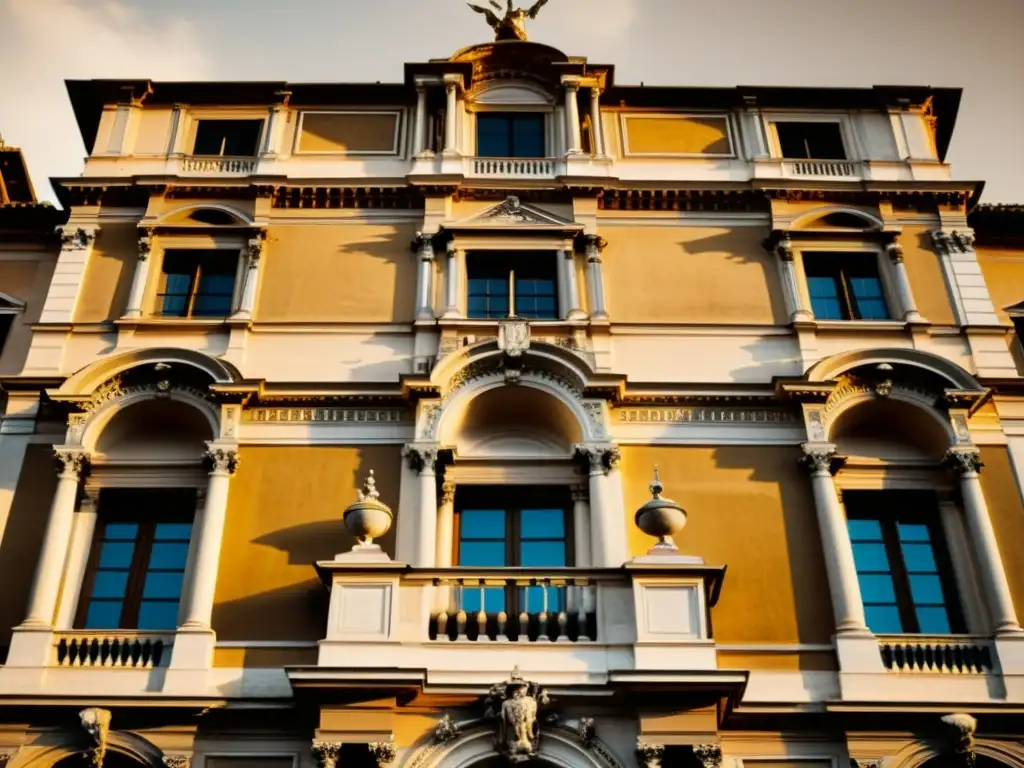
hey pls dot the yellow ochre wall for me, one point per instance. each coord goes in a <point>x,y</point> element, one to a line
<point>1004,506</point>
<point>343,272</point>
<point>750,508</point>
<point>924,270</point>
<point>691,274</point>
<point>26,281</point>
<point>108,274</point>
<point>285,513</point>
<point>1003,269</point>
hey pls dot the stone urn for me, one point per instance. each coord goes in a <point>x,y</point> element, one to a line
<point>661,518</point>
<point>368,518</point>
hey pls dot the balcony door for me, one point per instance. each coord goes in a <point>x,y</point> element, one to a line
<point>513,527</point>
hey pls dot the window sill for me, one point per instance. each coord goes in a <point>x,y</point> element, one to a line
<point>179,322</point>
<point>467,322</point>
<point>854,325</point>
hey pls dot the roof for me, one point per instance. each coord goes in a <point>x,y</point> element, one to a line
<point>998,224</point>
<point>15,184</point>
<point>89,96</point>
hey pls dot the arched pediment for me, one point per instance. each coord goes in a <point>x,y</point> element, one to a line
<point>951,374</point>
<point>205,215</point>
<point>836,217</point>
<point>508,94</point>
<point>88,379</point>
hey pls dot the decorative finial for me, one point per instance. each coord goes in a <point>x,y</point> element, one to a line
<point>511,25</point>
<point>661,518</point>
<point>370,492</point>
<point>368,518</point>
<point>656,486</point>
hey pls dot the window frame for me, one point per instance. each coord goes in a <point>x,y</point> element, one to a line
<point>261,135</point>
<point>399,138</point>
<point>892,513</point>
<point>195,280</point>
<point>846,132</point>
<point>554,132</point>
<point>185,137</point>
<point>137,570</point>
<point>10,308</point>
<point>840,274</point>
<point>516,255</point>
<point>624,134</point>
<point>228,238</point>
<point>861,248</point>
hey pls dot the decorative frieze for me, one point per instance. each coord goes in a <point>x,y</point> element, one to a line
<point>177,761</point>
<point>703,414</point>
<point>327,415</point>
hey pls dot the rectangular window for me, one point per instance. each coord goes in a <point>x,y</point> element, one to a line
<point>903,567</point>
<point>513,527</point>
<point>228,138</point>
<point>810,141</point>
<point>137,563</point>
<point>6,320</point>
<point>845,287</point>
<point>509,134</point>
<point>533,275</point>
<point>198,283</point>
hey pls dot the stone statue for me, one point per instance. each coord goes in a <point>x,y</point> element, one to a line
<point>515,705</point>
<point>511,26</point>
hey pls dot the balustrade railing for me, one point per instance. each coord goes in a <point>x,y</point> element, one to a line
<point>198,164</point>
<point>941,655</point>
<point>125,650</point>
<point>823,168</point>
<point>513,167</point>
<point>519,608</point>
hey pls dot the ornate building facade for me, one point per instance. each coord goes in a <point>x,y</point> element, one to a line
<point>368,402</point>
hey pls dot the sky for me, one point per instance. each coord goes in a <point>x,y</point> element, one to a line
<point>971,44</point>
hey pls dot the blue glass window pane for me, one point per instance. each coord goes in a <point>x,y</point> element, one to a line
<point>175,306</point>
<point>877,588</point>
<point>211,305</point>
<point>178,283</point>
<point>180,531</point>
<point>482,553</point>
<point>103,614</point>
<point>493,136</point>
<point>482,524</point>
<point>883,619</point>
<point>532,599</point>
<point>536,554</point>
<point>542,524</point>
<point>157,615</point>
<point>926,589</point>
<point>933,620</point>
<point>868,297</point>
<point>528,136</point>
<point>168,556</point>
<point>824,298</point>
<point>477,285</point>
<point>864,530</point>
<point>870,557</point>
<point>919,558</point>
<point>121,532</point>
<point>167,585</point>
<point>494,600</point>
<point>913,532</point>
<point>110,584</point>
<point>116,554</point>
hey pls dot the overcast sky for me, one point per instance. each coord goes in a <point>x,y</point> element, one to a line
<point>977,45</point>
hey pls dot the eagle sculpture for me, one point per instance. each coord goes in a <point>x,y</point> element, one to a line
<point>512,25</point>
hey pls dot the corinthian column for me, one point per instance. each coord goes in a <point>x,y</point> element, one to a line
<point>424,246</point>
<point>42,602</point>
<point>572,118</point>
<point>594,244</point>
<point>250,276</point>
<point>422,460</point>
<point>141,275</point>
<point>966,462</point>
<point>908,308</point>
<point>847,605</point>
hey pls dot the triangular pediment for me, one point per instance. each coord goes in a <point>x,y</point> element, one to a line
<point>10,304</point>
<point>1015,310</point>
<point>512,212</point>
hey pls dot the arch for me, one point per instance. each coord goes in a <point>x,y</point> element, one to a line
<point>130,745</point>
<point>517,93</point>
<point>86,380</point>
<point>862,424</point>
<point>557,748</point>
<point>832,367</point>
<point>844,216</point>
<point>238,217</point>
<point>930,754</point>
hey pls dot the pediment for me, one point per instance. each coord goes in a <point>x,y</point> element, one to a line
<point>512,212</point>
<point>1015,310</point>
<point>10,304</point>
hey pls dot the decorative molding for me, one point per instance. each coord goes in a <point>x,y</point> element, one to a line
<point>599,458</point>
<point>221,459</point>
<point>96,723</point>
<point>327,415</point>
<point>512,211</point>
<point>326,753</point>
<point>515,706</point>
<point>708,755</point>
<point>71,462</point>
<point>649,755</point>
<point>420,458</point>
<point>963,460</point>
<point>821,457</point>
<point>177,761</point>
<point>384,752</point>
<point>703,414</point>
<point>446,730</point>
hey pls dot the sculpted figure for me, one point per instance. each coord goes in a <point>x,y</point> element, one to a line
<point>512,25</point>
<point>515,705</point>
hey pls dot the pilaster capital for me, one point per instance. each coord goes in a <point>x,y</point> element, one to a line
<point>76,239</point>
<point>222,458</point>
<point>383,752</point>
<point>420,458</point>
<point>594,244</point>
<point>784,249</point>
<point>176,761</point>
<point>649,755</point>
<point>71,462</point>
<point>600,459</point>
<point>326,753</point>
<point>964,461</point>
<point>895,252</point>
<point>254,248</point>
<point>821,458</point>
<point>423,245</point>
<point>145,243</point>
<point>708,755</point>
<point>448,492</point>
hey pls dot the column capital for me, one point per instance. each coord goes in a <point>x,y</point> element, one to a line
<point>448,492</point>
<point>420,458</point>
<point>222,459</point>
<point>649,755</point>
<point>71,462</point>
<point>77,238</point>
<point>708,755</point>
<point>571,82</point>
<point>453,80</point>
<point>594,244</point>
<point>423,245</point>
<point>254,247</point>
<point>145,243</point>
<point>600,459</point>
<point>326,753</point>
<point>820,458</point>
<point>895,252</point>
<point>964,461</point>
<point>383,752</point>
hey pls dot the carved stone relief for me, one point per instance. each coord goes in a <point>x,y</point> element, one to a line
<point>515,707</point>
<point>96,723</point>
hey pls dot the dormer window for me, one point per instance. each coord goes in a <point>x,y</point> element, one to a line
<point>510,134</point>
<point>801,140</point>
<point>227,138</point>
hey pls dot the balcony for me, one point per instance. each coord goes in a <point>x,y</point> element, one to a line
<point>844,170</point>
<point>947,655</point>
<point>200,165</point>
<point>99,649</point>
<point>513,167</point>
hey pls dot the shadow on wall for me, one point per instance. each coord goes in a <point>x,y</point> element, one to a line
<point>787,549</point>
<point>724,245</point>
<point>285,513</point>
<point>391,247</point>
<point>23,536</point>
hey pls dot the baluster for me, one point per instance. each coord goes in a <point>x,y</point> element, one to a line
<point>563,616</point>
<point>581,612</point>
<point>460,617</point>
<point>442,617</point>
<point>542,619</point>
<point>524,617</point>
<point>481,617</point>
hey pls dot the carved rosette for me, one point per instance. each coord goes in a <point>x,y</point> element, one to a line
<point>420,459</point>
<point>177,761</point>
<point>383,752</point>
<point>708,755</point>
<point>964,461</point>
<point>96,723</point>
<point>222,460</point>
<point>446,730</point>
<point>70,462</point>
<point>326,753</point>
<point>649,755</point>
